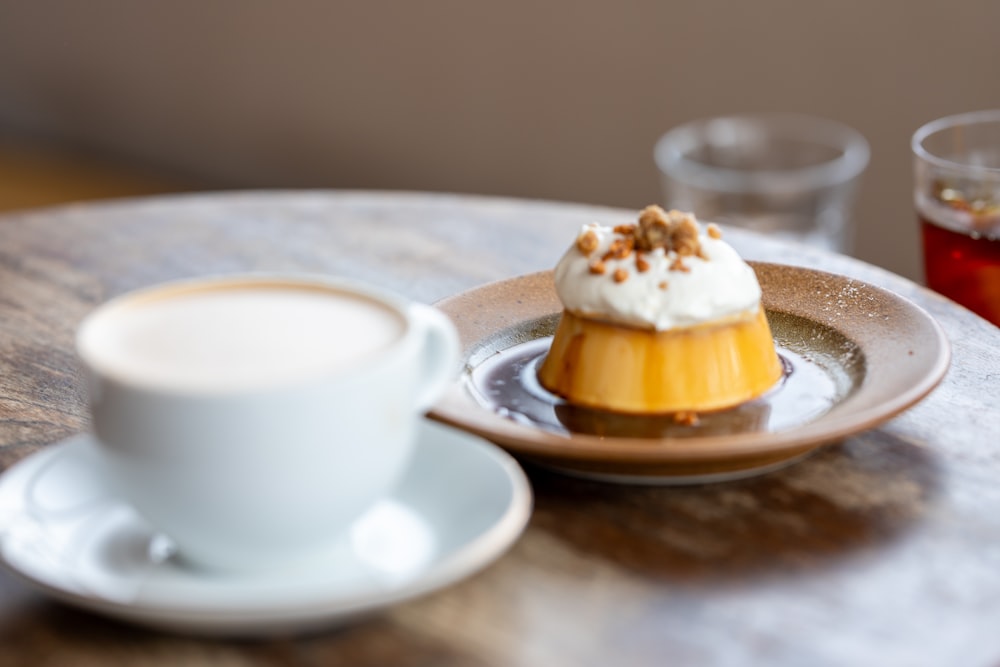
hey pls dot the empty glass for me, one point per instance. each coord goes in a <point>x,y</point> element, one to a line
<point>786,175</point>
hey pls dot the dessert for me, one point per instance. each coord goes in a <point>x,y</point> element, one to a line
<point>661,316</point>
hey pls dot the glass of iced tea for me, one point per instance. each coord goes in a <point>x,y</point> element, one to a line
<point>957,195</point>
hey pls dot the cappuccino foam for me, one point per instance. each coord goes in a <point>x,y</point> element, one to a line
<point>233,336</point>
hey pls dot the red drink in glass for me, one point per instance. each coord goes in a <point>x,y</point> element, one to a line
<point>964,266</point>
<point>957,194</point>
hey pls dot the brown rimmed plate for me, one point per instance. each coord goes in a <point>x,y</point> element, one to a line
<point>857,354</point>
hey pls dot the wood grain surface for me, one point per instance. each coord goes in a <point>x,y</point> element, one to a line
<point>882,549</point>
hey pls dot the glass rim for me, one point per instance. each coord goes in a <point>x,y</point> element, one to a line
<point>670,154</point>
<point>968,119</point>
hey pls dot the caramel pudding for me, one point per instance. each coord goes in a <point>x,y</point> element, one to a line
<point>661,316</point>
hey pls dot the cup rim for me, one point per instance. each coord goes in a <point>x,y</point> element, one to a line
<point>968,119</point>
<point>108,372</point>
<point>669,154</point>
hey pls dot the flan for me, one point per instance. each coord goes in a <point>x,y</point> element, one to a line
<point>660,316</point>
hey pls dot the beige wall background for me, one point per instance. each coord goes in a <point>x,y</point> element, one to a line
<point>559,100</point>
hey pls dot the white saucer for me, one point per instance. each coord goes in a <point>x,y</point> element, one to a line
<point>462,503</point>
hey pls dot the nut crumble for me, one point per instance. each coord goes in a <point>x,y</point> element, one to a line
<point>673,231</point>
<point>587,242</point>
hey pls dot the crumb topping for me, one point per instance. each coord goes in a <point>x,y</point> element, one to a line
<point>679,265</point>
<point>673,231</point>
<point>620,248</point>
<point>587,242</point>
<point>686,418</point>
<point>640,262</point>
<point>660,270</point>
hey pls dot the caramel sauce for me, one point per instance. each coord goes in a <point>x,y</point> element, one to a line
<point>507,383</point>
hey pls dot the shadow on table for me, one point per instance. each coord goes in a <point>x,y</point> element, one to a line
<point>52,634</point>
<point>845,499</point>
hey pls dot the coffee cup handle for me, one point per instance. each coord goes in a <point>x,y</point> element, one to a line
<point>440,355</point>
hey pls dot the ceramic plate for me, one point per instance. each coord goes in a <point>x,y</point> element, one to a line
<point>460,505</point>
<point>855,356</point>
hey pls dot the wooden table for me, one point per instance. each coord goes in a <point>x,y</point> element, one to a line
<point>883,549</point>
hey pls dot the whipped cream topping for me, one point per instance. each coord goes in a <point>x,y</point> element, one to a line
<point>657,288</point>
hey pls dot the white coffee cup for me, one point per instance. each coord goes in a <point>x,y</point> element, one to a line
<point>251,419</point>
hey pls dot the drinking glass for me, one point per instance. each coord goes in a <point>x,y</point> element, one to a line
<point>957,196</point>
<point>786,175</point>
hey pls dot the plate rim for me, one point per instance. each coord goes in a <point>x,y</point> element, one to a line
<point>538,293</point>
